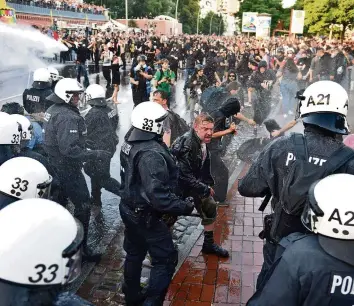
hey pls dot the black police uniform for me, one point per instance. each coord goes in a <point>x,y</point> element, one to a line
<point>35,99</point>
<point>102,122</point>
<point>149,179</point>
<point>306,275</point>
<point>64,141</point>
<point>266,175</point>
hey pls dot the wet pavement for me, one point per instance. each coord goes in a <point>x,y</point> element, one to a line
<point>208,280</point>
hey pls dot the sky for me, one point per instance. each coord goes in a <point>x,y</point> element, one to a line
<point>288,3</point>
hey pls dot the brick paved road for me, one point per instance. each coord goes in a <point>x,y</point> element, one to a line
<point>209,280</point>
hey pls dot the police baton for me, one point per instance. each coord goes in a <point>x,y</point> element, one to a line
<point>265,202</point>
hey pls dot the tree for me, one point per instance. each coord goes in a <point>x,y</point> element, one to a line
<point>215,21</point>
<point>188,14</point>
<point>272,7</point>
<point>132,23</point>
<point>321,14</point>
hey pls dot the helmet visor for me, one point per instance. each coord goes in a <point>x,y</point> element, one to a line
<point>43,189</point>
<point>74,253</point>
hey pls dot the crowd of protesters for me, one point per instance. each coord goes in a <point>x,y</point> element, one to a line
<point>64,5</point>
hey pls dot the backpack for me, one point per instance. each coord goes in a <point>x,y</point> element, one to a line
<point>179,126</point>
<point>294,194</point>
<point>162,74</point>
<point>212,98</point>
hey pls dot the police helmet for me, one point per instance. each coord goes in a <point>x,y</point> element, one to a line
<point>26,126</point>
<point>23,178</point>
<point>325,104</point>
<point>10,130</point>
<point>41,78</point>
<point>65,89</point>
<point>329,213</point>
<point>40,252</point>
<point>95,95</point>
<point>147,119</point>
<point>54,73</point>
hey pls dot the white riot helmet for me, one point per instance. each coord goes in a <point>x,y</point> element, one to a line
<point>24,178</point>
<point>26,126</point>
<point>147,119</point>
<point>41,78</point>
<point>65,89</point>
<point>54,73</point>
<point>10,130</point>
<point>329,213</point>
<point>95,95</point>
<point>325,104</point>
<point>40,245</point>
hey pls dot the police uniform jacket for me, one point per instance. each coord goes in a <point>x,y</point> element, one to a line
<point>65,135</point>
<point>149,177</point>
<point>305,275</point>
<point>267,173</point>
<point>102,122</point>
<point>194,175</point>
<point>35,100</point>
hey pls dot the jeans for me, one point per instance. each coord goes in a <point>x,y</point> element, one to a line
<point>190,72</point>
<point>288,89</point>
<point>81,68</point>
<point>145,232</point>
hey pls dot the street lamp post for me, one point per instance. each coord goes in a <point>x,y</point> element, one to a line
<point>198,20</point>
<point>211,21</point>
<point>126,12</point>
<point>176,20</point>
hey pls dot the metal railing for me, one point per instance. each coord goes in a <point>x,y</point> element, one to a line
<point>21,8</point>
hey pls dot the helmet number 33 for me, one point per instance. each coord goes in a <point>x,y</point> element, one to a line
<point>47,274</point>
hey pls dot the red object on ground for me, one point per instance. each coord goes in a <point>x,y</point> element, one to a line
<point>349,141</point>
<point>207,280</point>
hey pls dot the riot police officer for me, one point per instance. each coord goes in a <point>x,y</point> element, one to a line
<point>64,141</point>
<point>54,76</point>
<point>10,135</point>
<point>35,99</point>
<point>323,108</point>
<point>149,180</point>
<point>316,269</point>
<point>23,178</point>
<point>102,122</point>
<point>45,242</point>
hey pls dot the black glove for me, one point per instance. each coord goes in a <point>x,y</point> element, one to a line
<point>189,206</point>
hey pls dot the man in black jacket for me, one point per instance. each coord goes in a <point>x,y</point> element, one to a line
<point>82,54</point>
<point>195,177</point>
<point>102,122</point>
<point>324,64</point>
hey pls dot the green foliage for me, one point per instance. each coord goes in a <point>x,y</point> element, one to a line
<point>272,7</point>
<point>320,14</point>
<point>188,15</point>
<point>216,22</point>
<point>132,23</point>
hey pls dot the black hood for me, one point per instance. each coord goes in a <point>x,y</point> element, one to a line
<point>135,134</point>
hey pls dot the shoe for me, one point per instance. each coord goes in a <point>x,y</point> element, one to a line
<point>215,249</point>
<point>138,297</point>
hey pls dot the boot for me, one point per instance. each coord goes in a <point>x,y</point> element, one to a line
<point>96,201</point>
<point>209,247</point>
<point>138,298</point>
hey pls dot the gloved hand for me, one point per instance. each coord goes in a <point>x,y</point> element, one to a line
<point>189,206</point>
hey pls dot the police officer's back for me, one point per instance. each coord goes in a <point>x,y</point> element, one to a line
<point>35,99</point>
<point>323,108</point>
<point>149,179</point>
<point>316,269</point>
